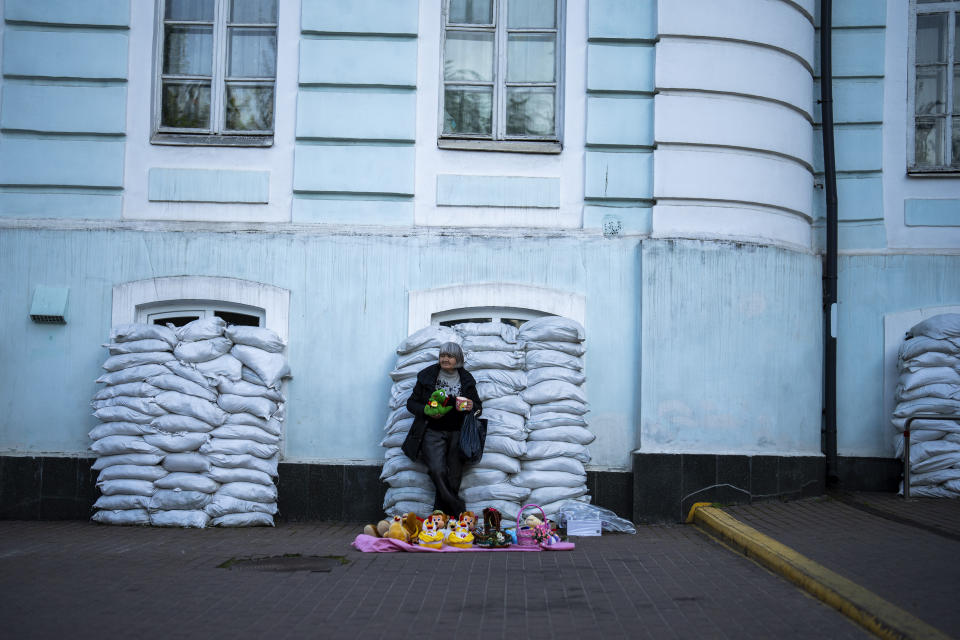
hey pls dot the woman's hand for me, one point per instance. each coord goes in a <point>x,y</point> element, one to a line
<point>464,404</point>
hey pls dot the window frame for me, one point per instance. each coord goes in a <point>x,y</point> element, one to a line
<point>486,314</point>
<point>148,313</point>
<point>218,135</point>
<point>952,9</point>
<point>498,140</point>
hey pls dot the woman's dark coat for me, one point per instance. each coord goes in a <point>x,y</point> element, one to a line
<point>426,385</point>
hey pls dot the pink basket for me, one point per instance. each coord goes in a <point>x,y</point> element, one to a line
<point>524,533</point>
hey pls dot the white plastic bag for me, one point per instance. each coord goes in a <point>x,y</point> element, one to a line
<point>244,388</point>
<point>245,461</point>
<point>177,442</point>
<point>135,389</point>
<point>502,491</point>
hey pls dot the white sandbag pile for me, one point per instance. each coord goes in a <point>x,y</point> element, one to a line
<point>536,434</point>
<point>553,465</point>
<point>190,425</point>
<point>929,384</point>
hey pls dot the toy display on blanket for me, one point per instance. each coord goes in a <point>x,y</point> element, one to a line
<point>439,404</point>
<point>409,527</point>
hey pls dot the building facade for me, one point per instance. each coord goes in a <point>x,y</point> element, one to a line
<point>347,173</point>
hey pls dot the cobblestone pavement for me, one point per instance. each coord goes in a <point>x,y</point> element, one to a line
<point>907,552</point>
<point>78,579</point>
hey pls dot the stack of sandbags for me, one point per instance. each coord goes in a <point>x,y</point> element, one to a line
<point>553,465</point>
<point>411,489</point>
<point>214,429</point>
<point>929,384</point>
<point>495,358</point>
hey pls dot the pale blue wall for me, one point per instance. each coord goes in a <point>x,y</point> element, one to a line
<point>731,353</point>
<point>348,313</point>
<point>62,116</point>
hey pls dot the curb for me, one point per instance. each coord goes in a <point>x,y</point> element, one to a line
<point>882,618</point>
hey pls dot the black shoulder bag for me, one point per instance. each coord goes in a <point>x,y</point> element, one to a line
<point>473,435</point>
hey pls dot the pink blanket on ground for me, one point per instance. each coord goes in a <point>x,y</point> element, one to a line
<point>387,545</point>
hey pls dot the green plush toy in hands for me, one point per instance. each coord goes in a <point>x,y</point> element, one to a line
<point>437,405</point>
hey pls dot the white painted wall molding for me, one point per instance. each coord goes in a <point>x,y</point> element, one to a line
<point>422,304</point>
<point>130,297</point>
<point>703,220</point>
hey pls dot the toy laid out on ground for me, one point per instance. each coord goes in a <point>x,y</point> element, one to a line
<point>191,423</point>
<point>439,532</point>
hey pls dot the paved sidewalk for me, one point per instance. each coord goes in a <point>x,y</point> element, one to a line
<point>906,552</point>
<point>77,579</point>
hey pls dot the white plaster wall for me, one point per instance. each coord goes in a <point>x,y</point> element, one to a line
<point>897,186</point>
<point>431,160</point>
<point>141,155</point>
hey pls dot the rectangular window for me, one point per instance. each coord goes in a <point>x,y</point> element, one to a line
<point>216,72</point>
<point>502,75</point>
<point>935,80</point>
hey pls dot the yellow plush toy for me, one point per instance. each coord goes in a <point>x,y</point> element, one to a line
<point>431,537</point>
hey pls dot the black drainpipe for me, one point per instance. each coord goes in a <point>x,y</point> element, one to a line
<point>829,439</point>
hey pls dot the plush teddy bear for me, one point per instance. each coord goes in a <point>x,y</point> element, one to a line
<point>377,530</point>
<point>471,520</point>
<point>397,530</point>
<point>439,404</point>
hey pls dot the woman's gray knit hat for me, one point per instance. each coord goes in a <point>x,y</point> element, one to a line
<point>452,349</point>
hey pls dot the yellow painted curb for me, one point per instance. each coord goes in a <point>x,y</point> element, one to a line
<point>864,607</point>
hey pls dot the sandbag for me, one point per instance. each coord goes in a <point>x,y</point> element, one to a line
<point>187,405</point>
<point>411,479</point>
<point>175,423</point>
<point>120,445</point>
<point>497,461</point>
<point>133,374</point>
<point>127,360</point>
<point>507,332</point>
<point>394,439</point>
<point>567,465</point>
<point>269,367</point>
<point>244,461</point>
<point>538,479</point>
<point>931,359</point>
<point>121,502</point>
<point>188,372</point>
<point>126,487</point>
<point>510,403</point>
<point>186,462</point>
<point>569,433</point>
<point>244,432</point>
<point>474,477</point>
<point>170,499</point>
<point>473,344</point>
<point>202,329</point>
<point>503,491</point>
<point>927,376</point>
<point>179,518</point>
<point>941,390</point>
<point>551,328</point>
<point>508,510</point>
<point>258,337</point>
<point>250,491</point>
<point>575,407</point>
<point>224,475</point>
<point>131,472</point>
<point>247,419</point>
<point>410,371</point>
<point>121,516</point>
<point>244,388</point>
<point>239,447</point>
<point>429,337</point>
<point>138,331</point>
<point>570,348</point>
<point>493,360</point>
<point>495,428</point>
<point>551,391</point>
<point>541,374</point>
<point>135,389</point>
<point>247,375</point>
<point>546,495</point>
<point>422,509</point>
<point>147,459</point>
<point>138,346</point>
<point>551,358</point>
<point>944,325</point>
<point>553,420</point>
<point>120,429</point>
<point>187,482</point>
<point>202,350</point>
<point>243,520</point>
<point>224,367</point>
<point>916,346</point>
<point>173,382</point>
<point>407,494</point>
<point>396,416</point>
<point>260,407</point>
<point>401,463</point>
<point>423,356</point>
<point>538,450</point>
<point>505,445</point>
<point>503,417</point>
<point>144,406</point>
<point>122,414</point>
<point>505,381</point>
<point>221,505</point>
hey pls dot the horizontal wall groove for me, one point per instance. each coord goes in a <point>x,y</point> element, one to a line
<point>24,25</point>
<point>343,85</point>
<point>613,93</point>
<point>348,196</point>
<point>602,40</point>
<point>59,188</point>
<point>620,147</point>
<point>350,35</point>
<point>53,135</point>
<point>750,96</point>
<point>615,203</point>
<point>357,194</point>
<point>67,79</point>
<point>353,142</point>
<point>667,200</point>
<point>762,45</point>
<point>749,150</point>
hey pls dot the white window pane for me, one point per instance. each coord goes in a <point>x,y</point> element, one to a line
<point>253,11</point>
<point>931,86</point>
<point>956,89</point>
<point>530,111</point>
<point>471,12</point>
<point>249,108</point>
<point>530,58</point>
<point>253,53</point>
<point>956,38</point>
<point>468,110</point>
<point>468,56</point>
<point>188,51</point>
<point>531,13</point>
<point>956,142</point>
<point>186,105</point>
<point>929,141</point>
<point>931,38</point>
<point>200,10</point>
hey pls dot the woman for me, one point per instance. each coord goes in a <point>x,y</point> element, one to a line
<point>436,440</point>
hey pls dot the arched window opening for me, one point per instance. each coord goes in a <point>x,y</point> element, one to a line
<point>507,315</point>
<point>179,313</point>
